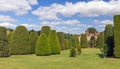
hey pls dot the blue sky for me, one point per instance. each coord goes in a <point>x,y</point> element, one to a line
<point>70,16</point>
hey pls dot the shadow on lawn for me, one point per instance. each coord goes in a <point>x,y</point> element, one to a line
<point>103,56</point>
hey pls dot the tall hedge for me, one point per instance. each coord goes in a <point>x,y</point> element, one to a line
<point>33,40</point>
<point>101,44</point>
<point>83,39</point>
<point>4,46</point>
<point>109,40</point>
<point>42,47</point>
<point>66,44</point>
<point>117,35</point>
<point>20,41</point>
<point>54,42</point>
<point>61,39</point>
<point>45,29</point>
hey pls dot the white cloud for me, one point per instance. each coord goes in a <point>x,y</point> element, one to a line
<point>92,8</point>
<point>20,7</point>
<point>7,24</point>
<point>31,26</point>
<point>104,22</point>
<point>4,18</point>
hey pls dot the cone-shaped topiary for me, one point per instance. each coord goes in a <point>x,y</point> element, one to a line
<point>83,39</point>
<point>20,41</point>
<point>42,47</point>
<point>101,44</point>
<point>45,29</point>
<point>33,40</point>
<point>61,39</point>
<point>109,40</point>
<point>117,35</point>
<point>54,42</point>
<point>4,46</point>
<point>66,44</point>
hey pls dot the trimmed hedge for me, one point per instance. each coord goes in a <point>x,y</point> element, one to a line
<point>61,39</point>
<point>4,46</point>
<point>117,36</point>
<point>20,41</point>
<point>54,42</point>
<point>42,47</point>
<point>83,39</point>
<point>45,29</point>
<point>33,40</point>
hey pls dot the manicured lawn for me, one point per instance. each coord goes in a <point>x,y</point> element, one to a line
<point>87,60</point>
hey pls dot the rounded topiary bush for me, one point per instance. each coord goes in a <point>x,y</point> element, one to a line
<point>72,52</point>
<point>45,29</point>
<point>4,46</point>
<point>42,47</point>
<point>33,40</point>
<point>19,44</point>
<point>61,39</point>
<point>54,42</point>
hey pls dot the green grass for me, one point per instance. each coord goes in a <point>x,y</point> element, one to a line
<point>87,60</point>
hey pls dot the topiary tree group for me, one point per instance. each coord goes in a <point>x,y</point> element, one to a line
<point>33,40</point>
<point>61,39</point>
<point>109,39</point>
<point>117,36</point>
<point>83,39</point>
<point>45,29</point>
<point>42,48</point>
<point>54,42</point>
<point>19,44</point>
<point>4,46</point>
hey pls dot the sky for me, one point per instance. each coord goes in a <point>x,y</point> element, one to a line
<point>69,16</point>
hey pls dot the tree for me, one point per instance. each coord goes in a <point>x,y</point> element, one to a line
<point>91,30</point>
<point>101,45</point>
<point>54,42</point>
<point>83,39</point>
<point>92,42</point>
<point>66,44</point>
<point>117,36</point>
<point>33,40</point>
<point>42,47</point>
<point>61,39</point>
<point>4,46</point>
<point>72,52</point>
<point>46,30</point>
<point>109,39</point>
<point>20,41</point>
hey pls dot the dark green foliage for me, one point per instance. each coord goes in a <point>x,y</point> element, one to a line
<point>91,30</point>
<point>83,39</point>
<point>72,52</point>
<point>42,47</point>
<point>66,44</point>
<point>92,42</point>
<point>61,39</point>
<point>100,44</point>
<point>46,30</point>
<point>4,46</point>
<point>54,42</point>
<point>19,44</point>
<point>33,40</point>
<point>117,35</point>
<point>109,39</point>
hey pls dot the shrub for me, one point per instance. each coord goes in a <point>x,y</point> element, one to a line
<point>20,41</point>
<point>66,44</point>
<point>54,42</point>
<point>117,35</point>
<point>61,39</point>
<point>46,30</point>
<point>101,45</point>
<point>109,39</point>
<point>83,39</point>
<point>4,46</point>
<point>72,52</point>
<point>33,40</point>
<point>42,47</point>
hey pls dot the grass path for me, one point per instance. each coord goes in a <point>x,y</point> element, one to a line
<point>87,60</point>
